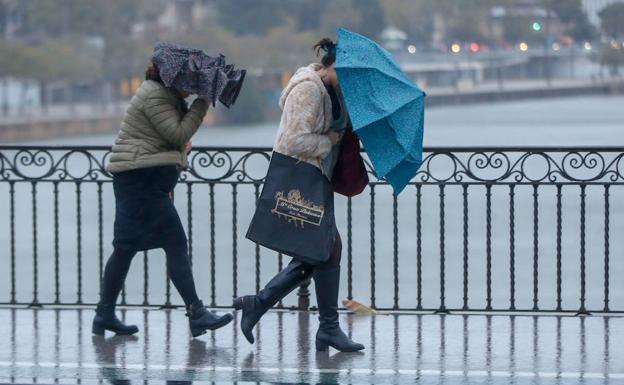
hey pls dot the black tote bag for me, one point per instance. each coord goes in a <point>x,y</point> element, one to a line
<point>295,212</point>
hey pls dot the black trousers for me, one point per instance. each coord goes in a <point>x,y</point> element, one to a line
<point>178,268</point>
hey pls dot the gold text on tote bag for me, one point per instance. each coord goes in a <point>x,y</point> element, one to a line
<point>297,210</point>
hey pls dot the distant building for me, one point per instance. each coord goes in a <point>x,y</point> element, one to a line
<point>522,9</point>
<point>593,8</point>
<point>182,16</point>
<point>393,38</point>
<point>519,8</point>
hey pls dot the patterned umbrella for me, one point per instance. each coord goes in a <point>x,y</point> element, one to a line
<point>189,69</point>
<point>386,108</point>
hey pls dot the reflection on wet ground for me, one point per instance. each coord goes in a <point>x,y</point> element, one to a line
<point>56,346</point>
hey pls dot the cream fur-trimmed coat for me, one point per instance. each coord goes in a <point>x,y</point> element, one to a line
<point>306,117</point>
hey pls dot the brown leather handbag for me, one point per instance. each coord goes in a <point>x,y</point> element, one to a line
<point>350,177</point>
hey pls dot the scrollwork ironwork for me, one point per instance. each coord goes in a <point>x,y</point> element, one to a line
<point>249,165</point>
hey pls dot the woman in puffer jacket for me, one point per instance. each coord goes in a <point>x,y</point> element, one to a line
<point>146,160</point>
<point>312,115</point>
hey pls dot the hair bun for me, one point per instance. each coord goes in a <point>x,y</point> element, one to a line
<point>328,46</point>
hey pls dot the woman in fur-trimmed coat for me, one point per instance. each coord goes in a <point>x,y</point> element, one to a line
<point>313,114</point>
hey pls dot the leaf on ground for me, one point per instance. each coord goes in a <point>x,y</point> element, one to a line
<point>358,308</point>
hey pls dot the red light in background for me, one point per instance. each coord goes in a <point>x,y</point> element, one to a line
<point>474,47</point>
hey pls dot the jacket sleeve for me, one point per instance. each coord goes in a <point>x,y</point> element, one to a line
<point>303,105</point>
<point>174,127</point>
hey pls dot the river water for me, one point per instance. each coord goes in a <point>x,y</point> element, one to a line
<point>580,121</point>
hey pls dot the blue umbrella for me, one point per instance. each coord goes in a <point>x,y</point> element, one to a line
<point>386,108</point>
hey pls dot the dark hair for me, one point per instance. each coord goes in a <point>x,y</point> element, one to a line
<point>328,46</point>
<point>152,73</point>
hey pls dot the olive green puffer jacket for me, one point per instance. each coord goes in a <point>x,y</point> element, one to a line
<point>154,129</point>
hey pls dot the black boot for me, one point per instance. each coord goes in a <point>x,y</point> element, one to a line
<point>105,319</point>
<point>326,282</point>
<point>200,319</point>
<point>254,306</point>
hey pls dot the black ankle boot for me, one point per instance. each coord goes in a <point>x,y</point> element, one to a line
<point>200,319</point>
<point>105,319</point>
<point>326,282</point>
<point>254,306</point>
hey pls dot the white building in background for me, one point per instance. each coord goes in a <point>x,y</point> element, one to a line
<point>593,7</point>
<point>393,38</point>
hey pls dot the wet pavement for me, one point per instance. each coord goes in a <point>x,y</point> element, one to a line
<point>56,346</point>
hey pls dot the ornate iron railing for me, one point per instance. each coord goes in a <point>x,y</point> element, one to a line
<point>478,229</point>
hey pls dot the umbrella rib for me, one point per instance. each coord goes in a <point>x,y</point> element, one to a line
<point>385,117</point>
<point>408,82</point>
<point>387,114</point>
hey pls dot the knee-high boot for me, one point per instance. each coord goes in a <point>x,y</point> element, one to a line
<point>254,306</point>
<point>326,282</point>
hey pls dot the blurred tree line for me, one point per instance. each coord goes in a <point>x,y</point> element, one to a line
<point>71,36</point>
<point>263,34</point>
